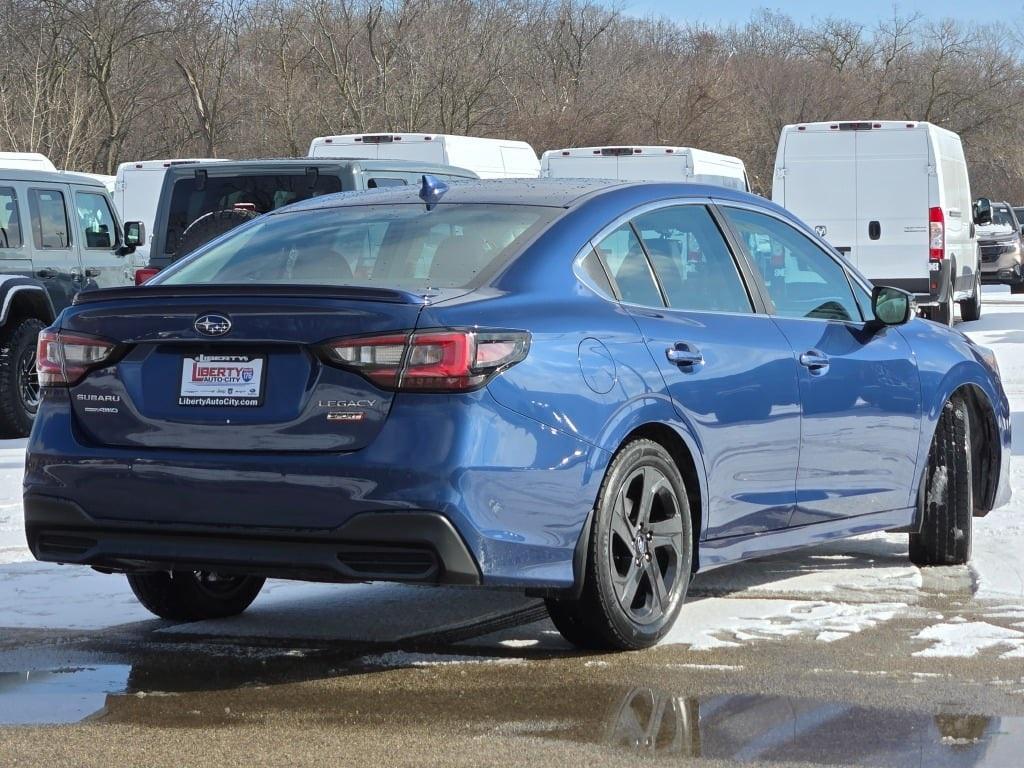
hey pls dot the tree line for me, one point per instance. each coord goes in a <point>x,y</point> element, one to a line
<point>92,83</point>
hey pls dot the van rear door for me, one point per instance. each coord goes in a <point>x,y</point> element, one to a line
<point>892,203</point>
<point>819,184</point>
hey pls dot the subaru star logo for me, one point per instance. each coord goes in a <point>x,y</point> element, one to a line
<point>212,325</point>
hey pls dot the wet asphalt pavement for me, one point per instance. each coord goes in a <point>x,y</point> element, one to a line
<point>501,688</point>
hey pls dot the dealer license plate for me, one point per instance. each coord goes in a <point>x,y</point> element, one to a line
<point>233,381</point>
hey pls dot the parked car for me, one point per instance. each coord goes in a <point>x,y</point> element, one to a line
<point>201,201</point>
<point>645,164</point>
<point>25,161</point>
<point>580,390</point>
<point>487,158</point>
<point>1002,249</point>
<point>59,234</point>
<point>895,198</point>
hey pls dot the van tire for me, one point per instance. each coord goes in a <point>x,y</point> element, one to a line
<point>211,225</point>
<point>945,535</point>
<point>970,309</point>
<point>189,596</point>
<point>943,313</point>
<point>17,351</point>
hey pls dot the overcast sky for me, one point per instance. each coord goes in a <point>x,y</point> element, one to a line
<point>864,11</point>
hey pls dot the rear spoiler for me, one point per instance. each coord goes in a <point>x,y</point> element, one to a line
<point>353,292</point>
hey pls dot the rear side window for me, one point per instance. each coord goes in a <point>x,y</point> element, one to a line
<point>379,182</point>
<point>693,263</point>
<point>391,246</point>
<point>49,218</point>
<point>193,197</point>
<point>10,220</point>
<point>628,266</point>
<point>96,221</point>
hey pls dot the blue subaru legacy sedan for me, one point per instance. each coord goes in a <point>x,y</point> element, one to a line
<point>587,391</point>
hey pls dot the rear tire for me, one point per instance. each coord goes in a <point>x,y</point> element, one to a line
<point>19,382</point>
<point>194,596</point>
<point>945,536</point>
<point>639,558</point>
<point>970,309</point>
<point>943,314</point>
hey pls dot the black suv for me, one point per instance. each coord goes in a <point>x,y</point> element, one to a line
<point>200,201</point>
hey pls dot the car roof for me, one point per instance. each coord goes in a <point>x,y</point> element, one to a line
<point>49,177</point>
<point>556,193</point>
<point>227,166</point>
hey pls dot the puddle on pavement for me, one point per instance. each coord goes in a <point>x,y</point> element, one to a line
<point>644,720</point>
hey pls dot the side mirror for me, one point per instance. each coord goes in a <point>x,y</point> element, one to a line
<point>982,211</point>
<point>134,234</point>
<point>892,306</point>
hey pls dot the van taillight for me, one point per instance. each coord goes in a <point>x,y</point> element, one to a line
<point>63,358</point>
<point>442,360</point>
<point>142,275</point>
<point>936,235</point>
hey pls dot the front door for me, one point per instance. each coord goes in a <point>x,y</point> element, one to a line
<point>99,243</point>
<point>859,387</point>
<point>54,259</point>
<point>730,372</point>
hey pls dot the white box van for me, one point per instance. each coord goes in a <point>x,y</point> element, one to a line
<point>26,161</point>
<point>487,158</point>
<point>645,164</point>
<point>137,191</point>
<point>894,197</point>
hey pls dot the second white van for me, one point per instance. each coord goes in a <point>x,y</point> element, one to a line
<point>26,161</point>
<point>645,164</point>
<point>487,158</point>
<point>894,197</point>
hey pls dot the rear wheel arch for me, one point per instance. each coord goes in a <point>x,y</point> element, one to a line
<point>986,447</point>
<point>27,301</point>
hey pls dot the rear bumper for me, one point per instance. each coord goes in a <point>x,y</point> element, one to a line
<point>400,546</point>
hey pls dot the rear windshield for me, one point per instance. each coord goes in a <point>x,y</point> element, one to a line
<point>387,246</point>
<point>193,198</point>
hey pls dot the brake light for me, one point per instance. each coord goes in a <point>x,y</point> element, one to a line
<point>142,275</point>
<point>63,359</point>
<point>442,360</point>
<point>936,235</point>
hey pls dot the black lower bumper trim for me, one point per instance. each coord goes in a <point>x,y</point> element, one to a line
<point>421,547</point>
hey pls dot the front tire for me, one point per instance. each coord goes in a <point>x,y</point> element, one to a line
<point>1017,288</point>
<point>639,558</point>
<point>945,536</point>
<point>19,381</point>
<point>194,595</point>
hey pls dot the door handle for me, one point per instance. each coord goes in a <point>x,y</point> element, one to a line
<point>46,273</point>
<point>684,354</point>
<point>814,361</point>
<point>92,271</point>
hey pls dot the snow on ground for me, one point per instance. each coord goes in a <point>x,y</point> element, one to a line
<point>827,593</point>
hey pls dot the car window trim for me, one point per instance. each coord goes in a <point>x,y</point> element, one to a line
<point>747,277</point>
<point>770,305</point>
<point>110,210</point>
<point>17,216</point>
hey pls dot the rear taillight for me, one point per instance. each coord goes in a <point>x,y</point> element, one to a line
<point>63,359</point>
<point>442,360</point>
<point>936,235</point>
<point>142,275</point>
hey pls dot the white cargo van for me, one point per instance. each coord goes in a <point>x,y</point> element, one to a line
<point>894,197</point>
<point>487,158</point>
<point>26,161</point>
<point>137,191</point>
<point>645,164</point>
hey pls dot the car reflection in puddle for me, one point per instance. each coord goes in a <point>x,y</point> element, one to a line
<point>53,696</point>
<point>775,729</point>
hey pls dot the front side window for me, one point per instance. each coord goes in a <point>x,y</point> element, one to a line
<point>49,218</point>
<point>693,263</point>
<point>96,221</point>
<point>802,279</point>
<point>628,266</point>
<point>390,246</point>
<point>10,220</point>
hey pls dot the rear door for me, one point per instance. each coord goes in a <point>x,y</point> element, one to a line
<point>15,254</point>
<point>860,391</point>
<point>55,258</point>
<point>99,238</point>
<point>892,203</point>
<point>730,372</point>
<point>819,184</point>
